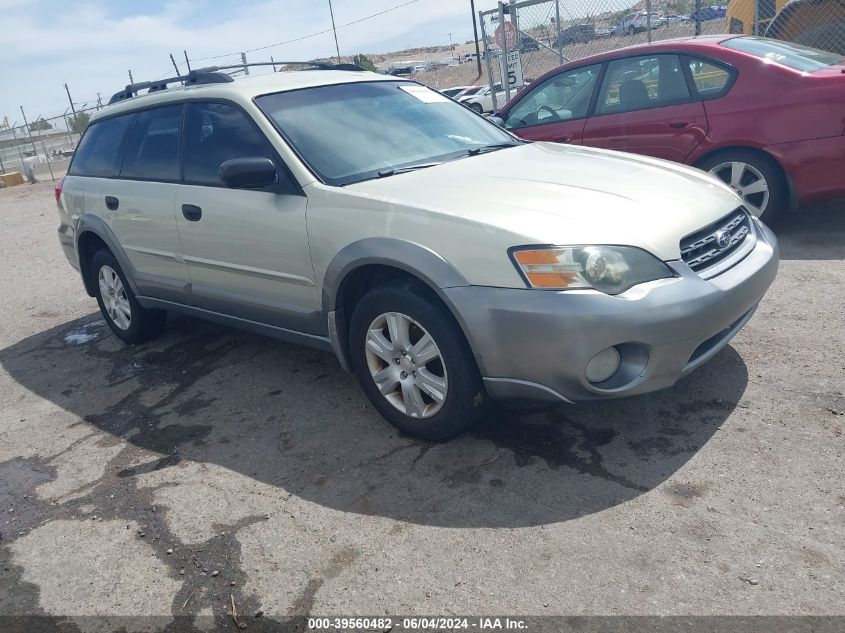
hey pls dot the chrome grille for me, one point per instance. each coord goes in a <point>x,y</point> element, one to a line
<point>719,245</point>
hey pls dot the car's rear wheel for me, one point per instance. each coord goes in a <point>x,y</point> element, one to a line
<point>130,322</point>
<point>755,179</point>
<point>413,362</point>
<point>476,107</point>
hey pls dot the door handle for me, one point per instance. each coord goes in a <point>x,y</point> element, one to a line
<point>112,203</point>
<point>191,212</point>
<point>679,125</point>
<point>563,138</point>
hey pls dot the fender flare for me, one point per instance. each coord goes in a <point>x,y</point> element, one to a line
<point>89,223</point>
<point>410,257</point>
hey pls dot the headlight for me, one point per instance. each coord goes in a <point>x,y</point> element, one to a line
<point>610,269</point>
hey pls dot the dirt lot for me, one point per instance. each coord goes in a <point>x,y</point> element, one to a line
<point>214,467</point>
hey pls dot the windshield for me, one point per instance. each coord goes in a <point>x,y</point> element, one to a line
<point>352,132</point>
<point>795,56</point>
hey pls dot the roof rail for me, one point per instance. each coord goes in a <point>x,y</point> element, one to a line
<point>213,75</point>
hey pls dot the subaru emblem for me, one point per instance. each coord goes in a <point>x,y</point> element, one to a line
<point>723,238</point>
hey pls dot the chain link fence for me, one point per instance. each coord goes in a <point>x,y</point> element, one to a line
<point>547,33</point>
<point>41,148</point>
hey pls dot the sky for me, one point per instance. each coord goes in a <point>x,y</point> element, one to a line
<point>90,44</point>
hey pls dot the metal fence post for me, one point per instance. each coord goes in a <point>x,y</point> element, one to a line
<point>648,19</point>
<point>756,29</point>
<point>698,17</point>
<point>557,33</point>
<point>487,61</point>
<point>503,57</point>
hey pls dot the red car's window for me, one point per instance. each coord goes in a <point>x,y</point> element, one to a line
<point>710,80</point>
<point>559,98</point>
<point>795,56</point>
<point>637,83</point>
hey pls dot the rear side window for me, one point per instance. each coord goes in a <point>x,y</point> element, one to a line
<point>637,83</point>
<point>215,133</point>
<point>99,148</point>
<point>710,80</point>
<point>152,152</point>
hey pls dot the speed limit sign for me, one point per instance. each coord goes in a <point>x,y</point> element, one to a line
<point>514,69</point>
<point>510,35</point>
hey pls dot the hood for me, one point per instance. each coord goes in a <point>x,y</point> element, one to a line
<point>545,193</point>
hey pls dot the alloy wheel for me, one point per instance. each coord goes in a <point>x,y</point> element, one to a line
<point>114,298</point>
<point>747,181</point>
<point>406,364</point>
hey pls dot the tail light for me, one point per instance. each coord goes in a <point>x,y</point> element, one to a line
<point>58,191</point>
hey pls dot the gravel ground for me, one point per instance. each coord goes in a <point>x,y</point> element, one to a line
<point>214,468</point>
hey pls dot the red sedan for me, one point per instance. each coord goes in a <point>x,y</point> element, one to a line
<point>765,116</point>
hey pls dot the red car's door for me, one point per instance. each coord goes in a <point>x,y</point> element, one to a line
<point>644,106</point>
<point>555,109</point>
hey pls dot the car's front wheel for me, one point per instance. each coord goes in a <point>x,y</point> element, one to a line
<point>754,178</point>
<point>130,322</point>
<point>413,362</point>
<point>477,108</point>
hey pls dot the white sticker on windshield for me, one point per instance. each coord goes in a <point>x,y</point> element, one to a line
<point>426,95</point>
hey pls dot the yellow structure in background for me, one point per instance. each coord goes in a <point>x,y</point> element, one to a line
<point>816,23</point>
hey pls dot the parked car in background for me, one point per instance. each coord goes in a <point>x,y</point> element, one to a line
<point>635,22</point>
<point>576,34</point>
<point>482,100</point>
<point>527,44</point>
<point>453,93</point>
<point>603,31</point>
<point>764,116</point>
<point>440,259</point>
<point>675,19</point>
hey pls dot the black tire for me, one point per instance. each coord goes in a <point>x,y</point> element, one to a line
<point>631,30</point>
<point>476,107</point>
<point>465,402</point>
<point>778,199</point>
<point>144,324</point>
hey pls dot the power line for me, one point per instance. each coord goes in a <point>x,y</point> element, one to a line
<point>305,37</point>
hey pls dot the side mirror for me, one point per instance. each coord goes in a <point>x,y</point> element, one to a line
<point>495,118</point>
<point>248,173</point>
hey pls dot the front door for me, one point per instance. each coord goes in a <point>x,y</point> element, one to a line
<point>644,106</point>
<point>246,250</point>
<point>556,109</point>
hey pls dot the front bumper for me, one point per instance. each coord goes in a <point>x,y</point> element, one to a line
<point>536,344</point>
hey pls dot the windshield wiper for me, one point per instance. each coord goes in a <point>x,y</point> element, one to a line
<point>475,151</point>
<point>403,170</point>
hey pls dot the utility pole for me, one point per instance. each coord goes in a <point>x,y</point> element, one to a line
<point>174,65</point>
<point>187,61</point>
<point>131,81</point>
<point>272,61</point>
<point>451,45</point>
<point>336,46</point>
<point>243,61</point>
<point>475,32</point>
<point>67,90</point>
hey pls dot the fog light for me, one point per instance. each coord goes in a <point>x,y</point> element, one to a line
<point>603,365</point>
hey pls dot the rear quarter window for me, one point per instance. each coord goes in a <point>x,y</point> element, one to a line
<point>99,149</point>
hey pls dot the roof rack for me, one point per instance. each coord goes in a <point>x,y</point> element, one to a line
<point>213,75</point>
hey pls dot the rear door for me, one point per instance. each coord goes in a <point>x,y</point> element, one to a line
<point>139,203</point>
<point>556,109</point>
<point>246,249</point>
<point>645,106</point>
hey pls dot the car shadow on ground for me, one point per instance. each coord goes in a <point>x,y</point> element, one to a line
<point>290,417</point>
<point>814,232</point>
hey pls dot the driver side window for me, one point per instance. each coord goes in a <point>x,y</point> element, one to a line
<point>560,98</point>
